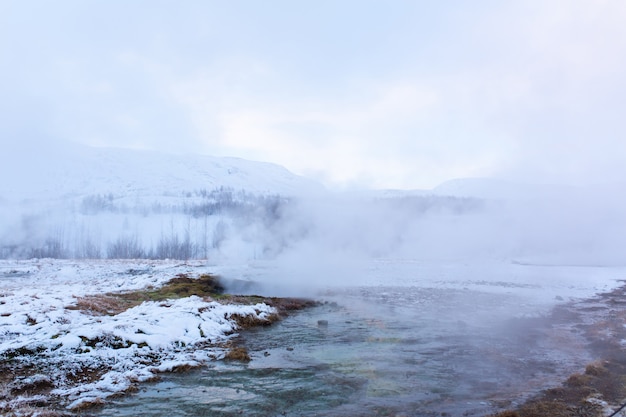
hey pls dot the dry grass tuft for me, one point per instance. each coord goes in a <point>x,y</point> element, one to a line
<point>595,369</point>
<point>88,404</point>
<point>182,368</point>
<point>248,321</point>
<point>238,354</point>
<point>578,381</point>
<point>283,305</point>
<point>101,305</point>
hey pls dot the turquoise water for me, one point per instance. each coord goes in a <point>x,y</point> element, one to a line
<point>374,352</point>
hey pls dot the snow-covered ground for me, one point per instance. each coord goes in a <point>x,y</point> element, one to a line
<point>64,344</point>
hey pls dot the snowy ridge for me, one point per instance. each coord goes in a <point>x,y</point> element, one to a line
<point>74,171</point>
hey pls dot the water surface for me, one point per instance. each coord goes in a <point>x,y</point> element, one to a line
<point>377,351</point>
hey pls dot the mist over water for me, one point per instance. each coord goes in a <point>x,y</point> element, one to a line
<point>65,209</point>
<point>381,351</point>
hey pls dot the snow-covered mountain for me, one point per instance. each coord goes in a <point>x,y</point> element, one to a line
<point>68,170</point>
<point>67,200</point>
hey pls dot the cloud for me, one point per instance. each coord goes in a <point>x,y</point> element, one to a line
<point>403,96</point>
<point>566,121</point>
<point>376,132</point>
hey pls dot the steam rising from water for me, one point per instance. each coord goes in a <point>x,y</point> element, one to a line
<point>62,209</point>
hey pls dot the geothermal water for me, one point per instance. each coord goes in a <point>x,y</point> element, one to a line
<point>469,346</point>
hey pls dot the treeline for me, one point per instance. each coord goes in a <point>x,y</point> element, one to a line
<point>124,247</point>
<point>205,223</point>
<point>182,245</point>
<point>194,226</point>
<point>197,203</point>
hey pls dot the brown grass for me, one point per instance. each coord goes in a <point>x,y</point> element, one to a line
<point>283,305</point>
<point>37,386</point>
<point>179,369</point>
<point>178,287</point>
<point>88,404</point>
<point>604,381</point>
<point>101,305</point>
<point>601,380</point>
<point>238,354</point>
<point>206,286</point>
<point>248,321</point>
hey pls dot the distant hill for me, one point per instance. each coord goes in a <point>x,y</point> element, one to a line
<point>488,188</point>
<point>68,170</point>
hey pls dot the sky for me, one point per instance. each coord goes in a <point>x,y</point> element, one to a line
<point>354,93</point>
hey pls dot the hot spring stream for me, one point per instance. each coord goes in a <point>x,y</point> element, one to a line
<point>379,351</point>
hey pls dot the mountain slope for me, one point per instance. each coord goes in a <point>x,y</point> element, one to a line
<point>72,171</point>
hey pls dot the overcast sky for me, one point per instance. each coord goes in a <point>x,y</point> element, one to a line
<point>386,94</point>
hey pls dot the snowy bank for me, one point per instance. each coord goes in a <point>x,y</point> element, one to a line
<point>61,355</point>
